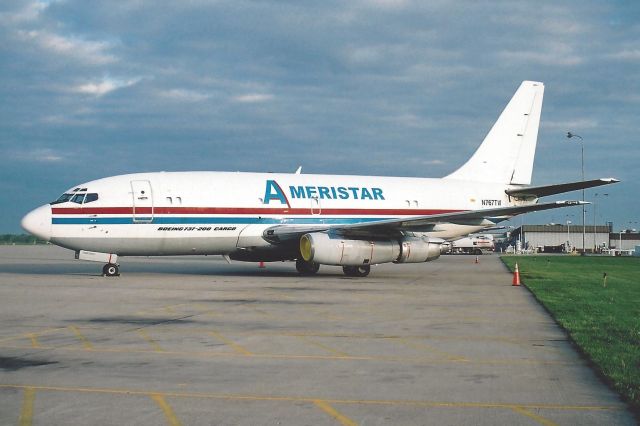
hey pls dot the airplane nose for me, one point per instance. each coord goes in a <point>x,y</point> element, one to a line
<point>38,222</point>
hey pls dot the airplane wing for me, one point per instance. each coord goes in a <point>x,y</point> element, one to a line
<point>542,191</point>
<point>283,233</point>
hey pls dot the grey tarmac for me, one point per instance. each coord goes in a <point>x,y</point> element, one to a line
<point>198,341</point>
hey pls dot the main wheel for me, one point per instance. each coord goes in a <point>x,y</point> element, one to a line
<point>110,270</point>
<point>307,268</point>
<point>356,271</point>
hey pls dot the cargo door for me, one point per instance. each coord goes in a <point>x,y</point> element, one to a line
<point>142,201</point>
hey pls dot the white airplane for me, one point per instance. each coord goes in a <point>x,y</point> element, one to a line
<point>348,221</point>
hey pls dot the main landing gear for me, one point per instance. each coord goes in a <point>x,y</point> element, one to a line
<point>307,268</point>
<point>311,268</point>
<point>356,271</point>
<point>110,270</point>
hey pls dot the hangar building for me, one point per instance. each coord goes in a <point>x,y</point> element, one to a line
<point>555,235</point>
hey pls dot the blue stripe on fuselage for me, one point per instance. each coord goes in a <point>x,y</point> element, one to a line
<point>206,220</point>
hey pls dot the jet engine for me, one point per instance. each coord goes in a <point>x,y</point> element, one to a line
<point>417,250</point>
<point>320,247</point>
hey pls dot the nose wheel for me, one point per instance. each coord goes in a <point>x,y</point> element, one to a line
<point>110,270</point>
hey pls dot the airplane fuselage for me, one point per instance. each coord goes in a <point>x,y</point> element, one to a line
<point>176,213</point>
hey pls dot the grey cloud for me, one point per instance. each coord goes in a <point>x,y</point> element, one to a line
<point>369,87</point>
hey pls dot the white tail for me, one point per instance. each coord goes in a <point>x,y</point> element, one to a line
<point>507,152</point>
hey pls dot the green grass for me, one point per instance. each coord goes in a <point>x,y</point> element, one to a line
<point>603,321</point>
<point>11,239</point>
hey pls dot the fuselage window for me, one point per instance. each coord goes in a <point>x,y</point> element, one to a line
<point>78,198</point>
<point>91,197</point>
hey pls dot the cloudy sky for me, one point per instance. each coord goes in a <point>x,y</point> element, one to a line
<point>378,87</point>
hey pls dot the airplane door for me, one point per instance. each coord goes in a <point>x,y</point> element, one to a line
<point>142,201</point>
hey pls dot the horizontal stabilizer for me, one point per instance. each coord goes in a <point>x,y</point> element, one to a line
<point>560,188</point>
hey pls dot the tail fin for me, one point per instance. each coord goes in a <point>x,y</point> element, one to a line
<point>507,152</point>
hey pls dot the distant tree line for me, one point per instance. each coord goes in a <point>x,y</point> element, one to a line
<point>11,239</point>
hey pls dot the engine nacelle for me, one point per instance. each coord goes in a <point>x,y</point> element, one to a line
<point>417,250</point>
<point>322,248</point>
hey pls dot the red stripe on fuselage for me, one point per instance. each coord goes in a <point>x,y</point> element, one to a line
<point>244,211</point>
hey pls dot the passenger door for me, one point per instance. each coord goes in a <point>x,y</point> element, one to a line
<point>142,201</point>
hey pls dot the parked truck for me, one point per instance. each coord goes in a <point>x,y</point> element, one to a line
<point>473,244</point>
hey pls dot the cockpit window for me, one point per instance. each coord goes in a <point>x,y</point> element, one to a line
<point>91,197</point>
<point>63,199</point>
<point>78,198</point>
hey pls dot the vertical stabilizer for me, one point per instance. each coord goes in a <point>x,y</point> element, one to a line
<point>507,152</point>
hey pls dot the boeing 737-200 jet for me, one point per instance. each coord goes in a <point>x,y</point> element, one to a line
<point>348,221</point>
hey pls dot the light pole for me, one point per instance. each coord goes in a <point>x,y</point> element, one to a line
<point>620,248</point>
<point>568,243</point>
<point>584,229</point>
<point>595,197</point>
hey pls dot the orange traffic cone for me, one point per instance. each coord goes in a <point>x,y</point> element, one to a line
<point>261,264</point>
<point>477,261</point>
<point>516,277</point>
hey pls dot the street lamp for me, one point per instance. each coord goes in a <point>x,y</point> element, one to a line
<point>584,229</point>
<point>595,246</point>
<point>620,248</point>
<point>568,241</point>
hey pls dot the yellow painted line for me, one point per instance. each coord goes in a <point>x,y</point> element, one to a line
<point>34,340</point>
<point>172,420</point>
<point>210,354</point>
<point>236,347</point>
<point>86,343</point>
<point>201,306</point>
<point>166,308</point>
<point>378,336</point>
<point>39,333</point>
<point>323,313</point>
<point>26,415</point>
<point>156,347</point>
<point>344,420</point>
<point>325,347</point>
<point>421,346</point>
<point>258,311</point>
<point>236,397</point>
<point>205,310</point>
<point>166,329</point>
<point>534,416</point>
